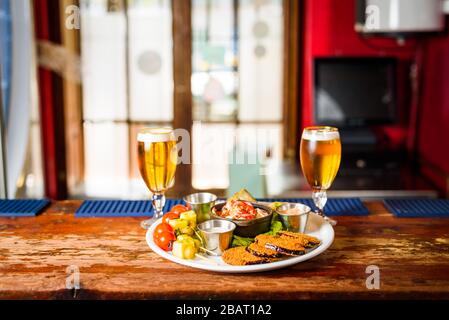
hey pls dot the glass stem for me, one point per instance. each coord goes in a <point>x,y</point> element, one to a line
<point>158,205</point>
<point>320,199</point>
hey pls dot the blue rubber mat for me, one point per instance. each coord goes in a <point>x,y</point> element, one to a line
<point>22,208</point>
<point>120,208</point>
<point>418,208</point>
<point>334,207</point>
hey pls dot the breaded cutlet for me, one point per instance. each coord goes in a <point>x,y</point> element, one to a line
<point>240,257</point>
<point>306,240</point>
<point>260,251</point>
<point>289,246</point>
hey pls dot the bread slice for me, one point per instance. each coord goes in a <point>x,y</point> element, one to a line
<point>244,195</point>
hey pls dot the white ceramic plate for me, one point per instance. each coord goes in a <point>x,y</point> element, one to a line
<point>317,227</point>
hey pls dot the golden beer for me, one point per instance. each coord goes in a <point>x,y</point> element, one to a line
<point>320,155</point>
<point>158,156</point>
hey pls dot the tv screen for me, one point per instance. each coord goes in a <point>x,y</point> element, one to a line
<point>354,92</point>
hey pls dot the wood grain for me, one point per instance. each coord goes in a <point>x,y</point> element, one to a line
<point>115,262</point>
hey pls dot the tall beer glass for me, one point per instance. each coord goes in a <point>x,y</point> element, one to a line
<point>158,157</point>
<point>320,155</point>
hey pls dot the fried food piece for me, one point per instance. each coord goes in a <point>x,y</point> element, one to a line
<point>260,251</point>
<point>285,246</point>
<point>306,240</point>
<point>240,257</point>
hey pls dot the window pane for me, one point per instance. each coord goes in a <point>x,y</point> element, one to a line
<point>126,49</point>
<point>104,66</point>
<point>260,60</point>
<point>214,78</point>
<point>237,77</point>
<point>263,139</point>
<point>106,159</point>
<point>212,145</point>
<point>151,60</point>
<point>216,146</point>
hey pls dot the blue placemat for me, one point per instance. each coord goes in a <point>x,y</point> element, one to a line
<point>418,208</point>
<point>334,207</point>
<point>22,208</point>
<point>123,208</point>
<point>120,208</point>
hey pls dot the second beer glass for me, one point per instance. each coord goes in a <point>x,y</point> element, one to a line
<point>320,155</point>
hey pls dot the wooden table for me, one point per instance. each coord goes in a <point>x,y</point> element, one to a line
<point>115,262</point>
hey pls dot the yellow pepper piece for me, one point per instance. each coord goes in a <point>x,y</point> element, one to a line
<point>178,224</point>
<point>184,249</point>
<point>189,216</point>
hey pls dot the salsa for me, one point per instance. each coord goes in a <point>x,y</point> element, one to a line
<point>241,210</point>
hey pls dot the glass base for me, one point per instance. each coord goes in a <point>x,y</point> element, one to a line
<point>146,224</point>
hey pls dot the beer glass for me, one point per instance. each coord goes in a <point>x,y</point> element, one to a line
<point>320,155</point>
<point>158,157</point>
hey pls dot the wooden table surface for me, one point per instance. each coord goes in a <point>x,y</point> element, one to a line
<point>115,262</point>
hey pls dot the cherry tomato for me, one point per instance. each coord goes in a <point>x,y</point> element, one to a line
<point>164,240</point>
<point>170,216</point>
<point>163,228</point>
<point>179,208</point>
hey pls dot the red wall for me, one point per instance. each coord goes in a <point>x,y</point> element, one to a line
<point>329,32</point>
<point>433,115</point>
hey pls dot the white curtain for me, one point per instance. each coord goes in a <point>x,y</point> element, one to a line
<point>18,125</point>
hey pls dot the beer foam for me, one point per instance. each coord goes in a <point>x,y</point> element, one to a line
<point>320,135</point>
<point>156,135</point>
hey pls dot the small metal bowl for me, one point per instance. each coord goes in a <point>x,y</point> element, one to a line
<point>294,222</point>
<point>247,228</point>
<point>201,204</point>
<point>217,235</point>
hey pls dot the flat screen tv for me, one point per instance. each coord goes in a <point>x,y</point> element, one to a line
<point>355,92</point>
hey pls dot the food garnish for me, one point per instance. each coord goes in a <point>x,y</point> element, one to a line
<point>238,241</point>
